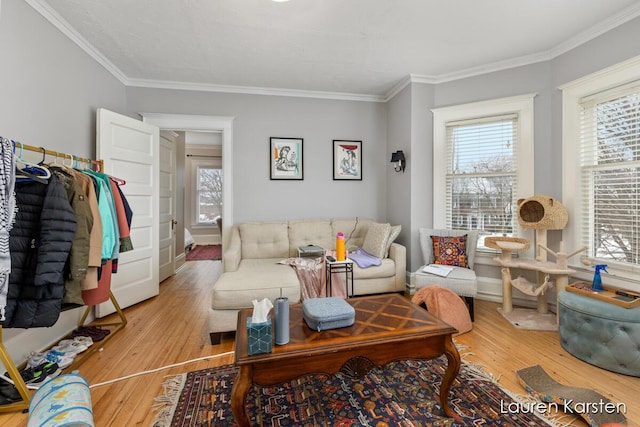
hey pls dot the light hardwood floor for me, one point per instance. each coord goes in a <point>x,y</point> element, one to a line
<point>172,328</point>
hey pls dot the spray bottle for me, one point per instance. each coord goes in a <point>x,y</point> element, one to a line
<point>597,280</point>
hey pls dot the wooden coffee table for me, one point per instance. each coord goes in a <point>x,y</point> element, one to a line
<point>387,328</point>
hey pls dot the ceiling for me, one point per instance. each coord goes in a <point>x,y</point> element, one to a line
<point>357,48</point>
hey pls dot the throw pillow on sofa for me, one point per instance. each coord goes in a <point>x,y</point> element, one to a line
<point>375,242</point>
<point>393,235</point>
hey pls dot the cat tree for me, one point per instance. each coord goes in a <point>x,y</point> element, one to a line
<point>540,213</point>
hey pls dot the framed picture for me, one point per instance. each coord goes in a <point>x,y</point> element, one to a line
<point>347,160</point>
<point>285,158</point>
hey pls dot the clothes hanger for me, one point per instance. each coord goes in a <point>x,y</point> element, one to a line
<point>30,171</point>
<point>57,162</point>
<point>118,181</point>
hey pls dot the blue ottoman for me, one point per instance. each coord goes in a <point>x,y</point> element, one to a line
<point>600,333</point>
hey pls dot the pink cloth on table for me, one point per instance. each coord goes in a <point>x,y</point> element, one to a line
<point>312,275</point>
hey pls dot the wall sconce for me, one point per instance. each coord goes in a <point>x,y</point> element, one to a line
<point>399,160</point>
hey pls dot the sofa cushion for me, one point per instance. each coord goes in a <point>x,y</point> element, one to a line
<point>310,232</point>
<point>354,231</point>
<point>393,235</point>
<point>264,240</point>
<point>375,241</point>
<point>462,281</point>
<point>255,279</point>
<point>387,268</point>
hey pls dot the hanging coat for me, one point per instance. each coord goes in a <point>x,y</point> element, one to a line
<point>79,253</point>
<point>7,216</point>
<point>40,242</point>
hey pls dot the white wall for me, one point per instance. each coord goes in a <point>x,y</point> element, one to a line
<point>318,122</point>
<point>400,185</point>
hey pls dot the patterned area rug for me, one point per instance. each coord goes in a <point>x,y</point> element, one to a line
<point>403,393</point>
<point>205,253</point>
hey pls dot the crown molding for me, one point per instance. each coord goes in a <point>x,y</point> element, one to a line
<point>600,28</point>
<point>252,90</point>
<point>494,67</point>
<point>411,78</point>
<point>42,7</point>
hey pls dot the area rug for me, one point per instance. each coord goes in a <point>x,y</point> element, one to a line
<point>529,318</point>
<point>205,253</point>
<point>403,393</point>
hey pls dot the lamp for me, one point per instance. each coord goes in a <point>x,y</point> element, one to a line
<point>399,160</point>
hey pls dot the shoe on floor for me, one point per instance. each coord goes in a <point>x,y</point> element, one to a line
<point>94,332</point>
<point>9,392</point>
<point>74,346</point>
<point>35,377</point>
<point>43,373</point>
<point>36,359</point>
<point>62,359</point>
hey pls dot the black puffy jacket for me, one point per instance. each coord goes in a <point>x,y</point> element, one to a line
<point>39,243</point>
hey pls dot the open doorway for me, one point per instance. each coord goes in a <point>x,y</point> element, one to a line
<point>203,181</point>
<point>222,127</point>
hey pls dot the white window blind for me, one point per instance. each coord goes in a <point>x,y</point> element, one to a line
<point>610,174</point>
<point>481,174</point>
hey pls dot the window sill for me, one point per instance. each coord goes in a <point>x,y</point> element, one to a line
<point>203,226</point>
<point>486,258</point>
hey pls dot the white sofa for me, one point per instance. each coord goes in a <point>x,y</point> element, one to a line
<point>251,268</point>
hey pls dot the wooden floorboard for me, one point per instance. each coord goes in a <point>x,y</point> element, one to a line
<point>172,328</point>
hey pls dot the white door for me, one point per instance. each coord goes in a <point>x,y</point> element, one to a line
<point>130,150</point>
<point>167,250</point>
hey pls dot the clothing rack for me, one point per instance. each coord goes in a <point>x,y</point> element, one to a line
<point>99,164</point>
<point>5,358</point>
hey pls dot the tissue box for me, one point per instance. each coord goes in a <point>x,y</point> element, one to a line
<point>259,337</point>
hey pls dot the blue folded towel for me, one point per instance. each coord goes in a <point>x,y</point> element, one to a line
<point>363,258</point>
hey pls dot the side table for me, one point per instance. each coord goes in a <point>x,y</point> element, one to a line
<point>345,266</point>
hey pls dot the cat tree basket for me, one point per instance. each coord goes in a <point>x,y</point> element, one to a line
<point>542,213</point>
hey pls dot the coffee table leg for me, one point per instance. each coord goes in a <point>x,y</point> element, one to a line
<point>238,393</point>
<point>453,367</point>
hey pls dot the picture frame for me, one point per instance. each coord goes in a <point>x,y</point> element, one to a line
<point>286,158</point>
<point>347,160</point>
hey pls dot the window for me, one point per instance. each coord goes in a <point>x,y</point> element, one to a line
<point>483,163</point>
<point>601,169</point>
<point>610,175</point>
<point>208,194</point>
